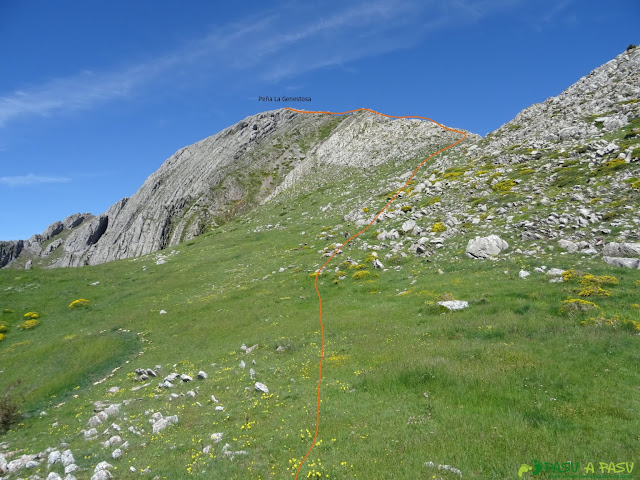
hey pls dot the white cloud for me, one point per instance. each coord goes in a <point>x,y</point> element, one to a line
<point>31,179</point>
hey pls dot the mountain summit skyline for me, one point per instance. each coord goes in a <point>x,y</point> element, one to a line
<point>91,113</point>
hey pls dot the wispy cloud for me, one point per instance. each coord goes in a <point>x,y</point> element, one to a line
<point>31,179</point>
<point>270,48</point>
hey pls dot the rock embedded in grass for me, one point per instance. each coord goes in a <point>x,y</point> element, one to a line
<point>67,458</point>
<point>454,304</point>
<point>485,247</point>
<point>261,387</point>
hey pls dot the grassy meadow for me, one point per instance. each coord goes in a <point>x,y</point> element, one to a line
<point>485,389</point>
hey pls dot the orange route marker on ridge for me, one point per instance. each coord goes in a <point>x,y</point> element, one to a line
<point>319,271</point>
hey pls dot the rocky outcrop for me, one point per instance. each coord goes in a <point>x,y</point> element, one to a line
<point>601,101</point>
<point>486,247</point>
<point>224,175</point>
<point>9,251</point>
<point>625,255</point>
<point>561,142</point>
<point>33,247</point>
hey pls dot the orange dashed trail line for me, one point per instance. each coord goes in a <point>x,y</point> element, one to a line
<point>319,271</point>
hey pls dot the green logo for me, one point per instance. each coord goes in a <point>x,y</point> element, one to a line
<point>566,470</point>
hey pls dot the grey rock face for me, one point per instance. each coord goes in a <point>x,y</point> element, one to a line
<point>53,230</point>
<point>626,255</point>
<point>623,262</point>
<point>193,189</point>
<point>9,251</point>
<point>564,118</point>
<point>486,247</point>
<point>614,249</point>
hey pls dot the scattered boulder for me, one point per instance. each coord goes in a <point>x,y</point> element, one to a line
<point>408,225</point>
<point>626,255</point>
<point>72,467</point>
<point>568,245</point>
<point>67,458</point>
<point>486,247</point>
<point>523,274</point>
<point>614,249</point>
<point>202,375</point>
<point>261,387</point>
<point>54,457</point>
<point>623,262</point>
<point>102,475</point>
<point>162,423</point>
<point>94,421</point>
<point>454,304</point>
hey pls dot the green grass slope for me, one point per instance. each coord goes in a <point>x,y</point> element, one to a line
<point>506,381</point>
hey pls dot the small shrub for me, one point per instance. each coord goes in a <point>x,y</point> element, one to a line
<point>527,170</point>
<point>81,302</point>
<point>504,186</point>
<point>630,326</point>
<point>577,305</point>
<point>594,291</point>
<point>2,336</point>
<point>3,328</point>
<point>9,409</point>
<point>29,324</point>
<point>361,266</point>
<point>452,174</point>
<point>32,315</point>
<point>7,310</point>
<point>636,185</point>
<point>406,208</point>
<point>615,164</point>
<point>438,227</point>
<point>361,275</point>
<point>590,279</point>
<point>365,209</point>
<point>570,274</point>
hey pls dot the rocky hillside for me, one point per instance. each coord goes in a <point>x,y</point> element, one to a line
<point>567,167</point>
<point>220,177</point>
<point>564,174</point>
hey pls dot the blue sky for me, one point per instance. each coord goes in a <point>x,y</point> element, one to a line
<point>94,96</point>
